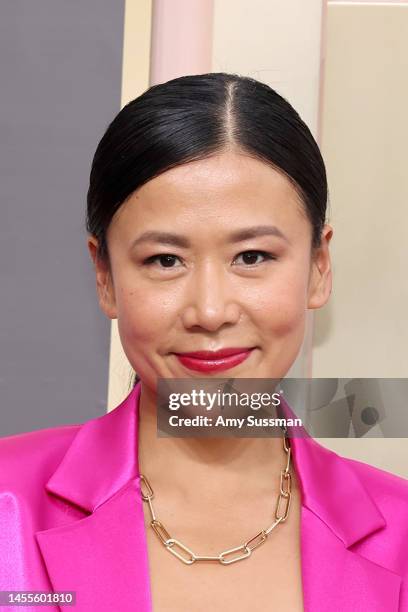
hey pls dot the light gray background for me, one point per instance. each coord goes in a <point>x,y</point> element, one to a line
<point>60,84</point>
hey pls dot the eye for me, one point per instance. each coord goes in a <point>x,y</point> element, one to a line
<point>250,257</point>
<point>166,258</point>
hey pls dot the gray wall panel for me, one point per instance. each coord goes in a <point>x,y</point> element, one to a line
<point>60,84</point>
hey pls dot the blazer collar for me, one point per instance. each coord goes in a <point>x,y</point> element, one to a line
<point>100,474</point>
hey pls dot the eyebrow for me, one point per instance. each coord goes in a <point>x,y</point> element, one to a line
<point>236,236</point>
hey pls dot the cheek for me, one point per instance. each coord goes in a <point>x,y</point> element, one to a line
<point>143,316</point>
<point>281,308</point>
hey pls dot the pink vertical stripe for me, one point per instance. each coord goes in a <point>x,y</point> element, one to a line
<point>181,38</point>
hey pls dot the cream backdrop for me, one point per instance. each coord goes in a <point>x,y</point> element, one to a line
<point>341,65</point>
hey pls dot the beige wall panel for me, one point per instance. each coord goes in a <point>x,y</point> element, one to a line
<point>363,331</point>
<point>136,48</point>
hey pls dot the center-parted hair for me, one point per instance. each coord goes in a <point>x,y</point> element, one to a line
<point>194,117</point>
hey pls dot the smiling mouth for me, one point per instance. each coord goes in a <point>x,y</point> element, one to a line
<point>210,361</point>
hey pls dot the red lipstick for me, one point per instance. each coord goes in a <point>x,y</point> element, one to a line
<point>214,361</point>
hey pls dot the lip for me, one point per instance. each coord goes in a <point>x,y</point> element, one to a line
<point>214,361</point>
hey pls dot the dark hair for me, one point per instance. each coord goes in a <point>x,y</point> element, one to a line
<point>191,118</point>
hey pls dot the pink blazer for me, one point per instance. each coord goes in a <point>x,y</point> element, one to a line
<point>71,519</point>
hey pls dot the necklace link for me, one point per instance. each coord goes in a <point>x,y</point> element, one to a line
<point>160,531</point>
<point>172,543</point>
<point>236,558</point>
<point>145,482</point>
<point>262,535</point>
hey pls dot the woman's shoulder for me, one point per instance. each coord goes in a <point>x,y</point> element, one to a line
<point>32,456</point>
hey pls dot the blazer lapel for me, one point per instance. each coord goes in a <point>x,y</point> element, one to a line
<point>103,556</point>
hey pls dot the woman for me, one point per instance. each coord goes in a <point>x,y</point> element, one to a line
<point>206,221</point>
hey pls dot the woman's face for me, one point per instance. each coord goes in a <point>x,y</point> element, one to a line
<point>210,255</point>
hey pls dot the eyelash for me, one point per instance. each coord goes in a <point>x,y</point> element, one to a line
<point>151,260</point>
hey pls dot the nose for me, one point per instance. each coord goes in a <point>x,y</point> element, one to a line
<point>210,299</point>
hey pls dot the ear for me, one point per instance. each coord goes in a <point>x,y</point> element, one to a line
<point>320,279</point>
<point>104,282</point>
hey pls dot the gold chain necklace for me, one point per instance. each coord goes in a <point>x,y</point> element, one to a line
<point>226,556</point>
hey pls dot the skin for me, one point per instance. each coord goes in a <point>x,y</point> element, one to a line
<point>211,297</point>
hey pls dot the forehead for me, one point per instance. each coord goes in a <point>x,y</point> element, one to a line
<point>217,189</point>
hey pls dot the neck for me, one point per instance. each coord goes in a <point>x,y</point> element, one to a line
<point>199,468</point>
